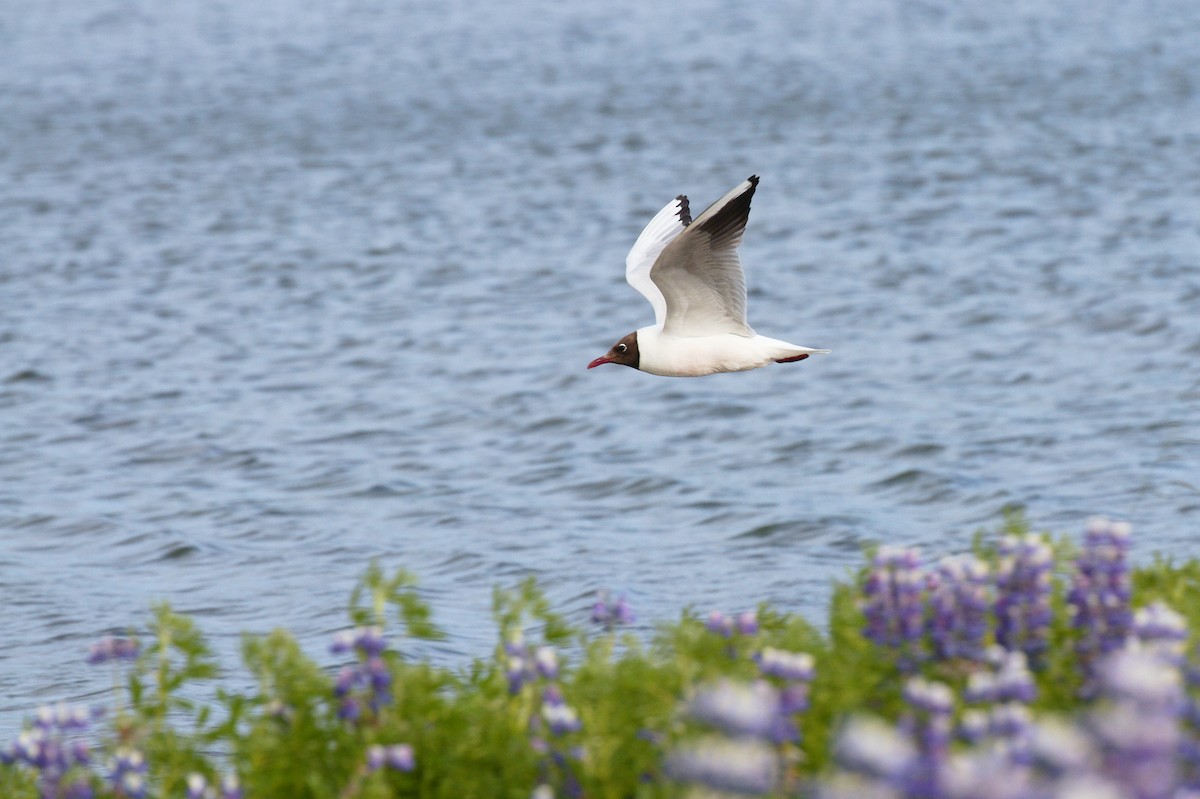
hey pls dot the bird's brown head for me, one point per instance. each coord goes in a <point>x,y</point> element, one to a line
<point>624,352</point>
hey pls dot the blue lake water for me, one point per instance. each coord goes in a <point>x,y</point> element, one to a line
<point>288,286</point>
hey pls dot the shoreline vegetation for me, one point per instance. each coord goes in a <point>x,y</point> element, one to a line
<point>1025,668</point>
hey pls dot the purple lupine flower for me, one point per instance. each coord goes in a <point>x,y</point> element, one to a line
<point>973,726</point>
<point>757,710</point>
<point>797,670</point>
<point>131,784</point>
<point>79,789</point>
<point>552,694</point>
<point>791,666</point>
<point>1011,681</point>
<point>1189,749</point>
<point>1023,589</point>
<point>367,683</point>
<point>367,640</point>
<point>928,722</point>
<point>127,774</point>
<point>400,757</point>
<point>1060,749</point>
<point>611,613</point>
<point>1099,594</point>
<point>959,598</point>
<point>1007,721</point>
<point>874,750</point>
<point>526,665</point>
<point>546,662</point>
<point>48,746</point>
<point>112,648</point>
<point>397,756</point>
<point>740,710</point>
<point>743,767</point>
<point>371,641</point>
<point>62,716</point>
<point>553,713</point>
<point>378,675</point>
<point>520,667</point>
<point>930,700</point>
<point>129,759</point>
<point>1008,727</point>
<point>623,612</point>
<point>197,787</point>
<point>44,717</point>
<point>72,717</point>
<point>1091,786</point>
<point>793,698</point>
<point>376,756</point>
<point>343,642</point>
<point>1012,721</point>
<point>516,674</point>
<point>1136,676</point>
<point>347,680</point>
<point>894,603</point>
<point>989,773</point>
<point>746,623</point>
<point>1160,630</point>
<point>719,623</point>
<point>350,709</point>
<point>27,747</point>
<point>1138,729</point>
<point>571,787</point>
<point>231,787</point>
<point>560,718</point>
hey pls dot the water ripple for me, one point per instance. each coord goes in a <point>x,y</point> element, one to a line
<point>321,290</point>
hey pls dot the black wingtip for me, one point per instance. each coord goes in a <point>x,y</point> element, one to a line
<point>685,211</point>
<point>731,219</point>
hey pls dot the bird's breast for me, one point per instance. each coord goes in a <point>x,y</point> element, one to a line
<point>696,356</point>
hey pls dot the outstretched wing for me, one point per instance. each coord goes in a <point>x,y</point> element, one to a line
<point>698,274</point>
<point>665,226</point>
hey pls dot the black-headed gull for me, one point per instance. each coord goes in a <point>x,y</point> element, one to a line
<point>690,272</point>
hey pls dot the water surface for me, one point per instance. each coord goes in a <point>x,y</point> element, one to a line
<point>289,286</point>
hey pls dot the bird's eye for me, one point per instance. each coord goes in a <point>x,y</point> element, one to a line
<point>621,348</point>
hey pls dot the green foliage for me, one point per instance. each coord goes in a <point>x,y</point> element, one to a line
<point>1176,584</point>
<point>472,737</point>
<point>851,675</point>
<point>17,783</point>
<point>627,704</point>
<point>468,736</point>
<point>515,610</point>
<point>398,590</point>
<point>160,711</point>
<point>291,719</point>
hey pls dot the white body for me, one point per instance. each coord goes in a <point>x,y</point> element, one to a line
<point>696,356</point>
<point>690,272</point>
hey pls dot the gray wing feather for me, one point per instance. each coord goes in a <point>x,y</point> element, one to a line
<point>699,272</point>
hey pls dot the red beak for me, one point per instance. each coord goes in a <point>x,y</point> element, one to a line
<point>600,360</point>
